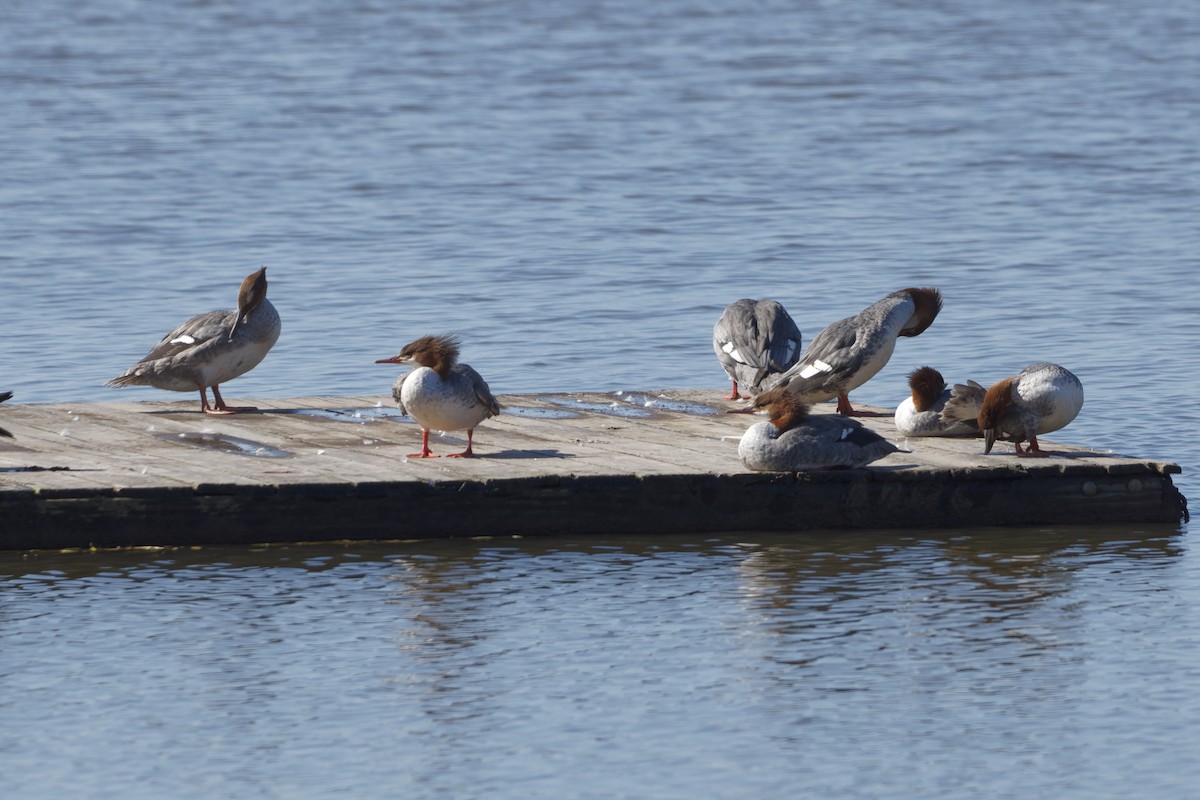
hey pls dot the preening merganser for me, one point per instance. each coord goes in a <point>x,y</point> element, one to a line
<point>1041,398</point>
<point>794,440</point>
<point>441,394</point>
<point>5,396</point>
<point>755,339</point>
<point>851,351</point>
<point>211,349</point>
<point>921,414</point>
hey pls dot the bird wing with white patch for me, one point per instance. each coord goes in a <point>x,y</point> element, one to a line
<point>831,353</point>
<point>739,336</point>
<point>193,333</point>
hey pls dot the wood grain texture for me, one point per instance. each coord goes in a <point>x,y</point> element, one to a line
<point>160,473</point>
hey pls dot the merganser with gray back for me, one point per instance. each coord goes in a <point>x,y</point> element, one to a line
<point>795,440</point>
<point>440,393</point>
<point>755,339</point>
<point>921,413</point>
<point>211,349</point>
<point>851,351</point>
<point>1039,399</point>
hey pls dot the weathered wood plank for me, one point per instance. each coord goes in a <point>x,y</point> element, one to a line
<point>130,473</point>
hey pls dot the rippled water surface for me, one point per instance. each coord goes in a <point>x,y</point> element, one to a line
<point>1055,663</point>
<point>578,189</point>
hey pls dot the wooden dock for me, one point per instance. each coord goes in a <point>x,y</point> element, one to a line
<point>333,468</point>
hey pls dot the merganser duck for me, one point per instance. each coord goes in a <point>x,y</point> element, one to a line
<point>921,414</point>
<point>1041,398</point>
<point>851,351</point>
<point>5,396</point>
<point>755,339</point>
<point>210,349</point>
<point>795,441</point>
<point>441,394</point>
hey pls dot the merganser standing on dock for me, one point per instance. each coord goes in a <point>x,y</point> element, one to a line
<point>921,413</point>
<point>1041,398</point>
<point>211,349</point>
<point>755,339</point>
<point>851,351</point>
<point>441,394</point>
<point>5,396</point>
<point>794,440</point>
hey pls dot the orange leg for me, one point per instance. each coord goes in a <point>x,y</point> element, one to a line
<point>425,451</point>
<point>1032,450</point>
<point>734,394</point>
<point>844,408</point>
<point>468,453</point>
<point>221,408</point>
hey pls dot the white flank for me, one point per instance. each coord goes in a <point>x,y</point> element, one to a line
<point>185,339</point>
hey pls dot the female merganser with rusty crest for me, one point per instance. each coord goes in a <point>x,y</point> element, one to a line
<point>441,394</point>
<point>795,441</point>
<point>754,340</point>
<point>851,351</point>
<point>1041,398</point>
<point>921,414</point>
<point>211,349</point>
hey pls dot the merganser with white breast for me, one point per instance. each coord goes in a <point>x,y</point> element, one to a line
<point>211,349</point>
<point>794,440</point>
<point>921,413</point>
<point>851,351</point>
<point>1041,398</point>
<point>441,394</point>
<point>755,339</point>
<point>5,396</point>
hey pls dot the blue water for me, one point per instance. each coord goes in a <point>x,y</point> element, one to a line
<point>577,189</point>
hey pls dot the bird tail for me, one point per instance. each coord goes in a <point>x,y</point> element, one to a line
<point>966,400</point>
<point>128,379</point>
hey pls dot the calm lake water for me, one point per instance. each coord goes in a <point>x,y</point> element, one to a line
<point>578,189</point>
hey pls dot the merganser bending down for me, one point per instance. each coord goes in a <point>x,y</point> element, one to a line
<point>921,414</point>
<point>851,351</point>
<point>5,396</point>
<point>795,441</point>
<point>211,349</point>
<point>441,394</point>
<point>1041,398</point>
<point>755,339</point>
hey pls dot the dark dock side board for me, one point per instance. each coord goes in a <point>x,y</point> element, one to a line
<point>331,468</point>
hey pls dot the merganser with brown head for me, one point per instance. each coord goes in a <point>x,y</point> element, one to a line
<point>211,349</point>
<point>921,413</point>
<point>795,440</point>
<point>754,340</point>
<point>851,351</point>
<point>440,393</point>
<point>1041,398</point>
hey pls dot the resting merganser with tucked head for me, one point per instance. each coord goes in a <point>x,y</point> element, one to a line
<point>1041,398</point>
<point>212,348</point>
<point>441,394</point>
<point>851,351</point>
<point>5,396</point>
<point>755,339</point>
<point>921,414</point>
<point>795,441</point>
